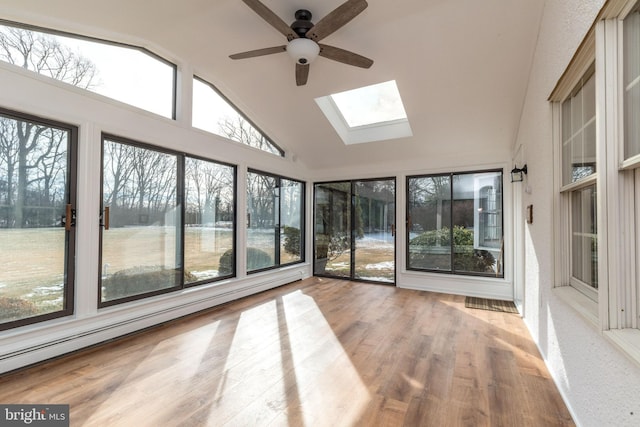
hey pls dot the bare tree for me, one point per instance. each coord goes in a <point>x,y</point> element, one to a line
<point>45,55</point>
<point>28,146</point>
<point>239,129</point>
<point>261,199</point>
<point>209,189</point>
<point>117,171</point>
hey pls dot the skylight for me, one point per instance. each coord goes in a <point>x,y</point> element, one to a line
<point>366,114</point>
<point>370,104</point>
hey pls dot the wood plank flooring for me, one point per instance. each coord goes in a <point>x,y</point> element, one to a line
<point>319,352</point>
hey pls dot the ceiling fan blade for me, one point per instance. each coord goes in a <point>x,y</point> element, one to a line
<point>273,19</point>
<point>336,19</point>
<point>344,56</point>
<point>302,74</point>
<point>259,52</point>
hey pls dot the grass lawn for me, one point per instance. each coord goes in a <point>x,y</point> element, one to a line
<point>33,259</point>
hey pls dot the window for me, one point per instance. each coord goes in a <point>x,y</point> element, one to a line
<point>214,113</point>
<point>455,223</point>
<point>275,221</point>
<point>37,219</point>
<point>141,251</point>
<point>579,131</point>
<point>148,246</point>
<point>126,73</point>
<point>209,237</point>
<point>578,191</point>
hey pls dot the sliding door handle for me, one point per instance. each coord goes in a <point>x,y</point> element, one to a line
<point>105,218</point>
<point>69,217</point>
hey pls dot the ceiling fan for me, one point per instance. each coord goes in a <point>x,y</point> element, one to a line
<point>303,37</point>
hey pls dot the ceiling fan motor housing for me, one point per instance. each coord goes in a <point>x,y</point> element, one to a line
<point>303,23</point>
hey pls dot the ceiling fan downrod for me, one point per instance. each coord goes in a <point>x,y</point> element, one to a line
<point>303,23</point>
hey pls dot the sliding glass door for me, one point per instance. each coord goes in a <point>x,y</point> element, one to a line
<point>37,219</point>
<point>375,218</point>
<point>355,230</point>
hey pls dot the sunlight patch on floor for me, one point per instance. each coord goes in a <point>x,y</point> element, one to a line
<point>326,378</point>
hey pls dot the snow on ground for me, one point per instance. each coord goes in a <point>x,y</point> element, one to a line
<point>46,290</point>
<point>206,274</point>
<point>386,265</point>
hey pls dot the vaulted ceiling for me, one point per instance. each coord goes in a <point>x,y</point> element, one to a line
<point>461,66</point>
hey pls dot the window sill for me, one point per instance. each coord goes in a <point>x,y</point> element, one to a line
<point>626,340</point>
<point>586,308</point>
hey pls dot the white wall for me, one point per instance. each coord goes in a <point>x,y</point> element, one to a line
<point>600,385</point>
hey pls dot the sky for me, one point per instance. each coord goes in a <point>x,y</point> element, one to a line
<point>128,75</point>
<point>370,104</point>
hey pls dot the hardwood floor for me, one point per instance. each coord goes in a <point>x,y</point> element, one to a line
<point>319,352</point>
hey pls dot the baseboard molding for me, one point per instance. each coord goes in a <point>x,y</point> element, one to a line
<point>481,287</point>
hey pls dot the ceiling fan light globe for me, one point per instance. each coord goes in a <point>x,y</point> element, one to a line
<point>303,51</point>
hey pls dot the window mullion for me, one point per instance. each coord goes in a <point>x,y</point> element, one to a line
<point>608,136</point>
<point>180,210</point>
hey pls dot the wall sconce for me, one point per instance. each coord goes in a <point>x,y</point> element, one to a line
<point>517,174</point>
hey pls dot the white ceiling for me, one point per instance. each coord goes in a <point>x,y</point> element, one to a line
<point>461,65</point>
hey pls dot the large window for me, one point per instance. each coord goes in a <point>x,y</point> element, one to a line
<point>209,237</point>
<point>579,184</point>
<point>157,237</point>
<point>275,221</point>
<point>126,73</point>
<point>455,223</point>
<point>214,113</point>
<point>37,219</point>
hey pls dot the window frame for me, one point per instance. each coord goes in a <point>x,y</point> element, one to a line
<point>278,232</point>
<point>452,271</point>
<point>71,235</point>
<point>567,190</point>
